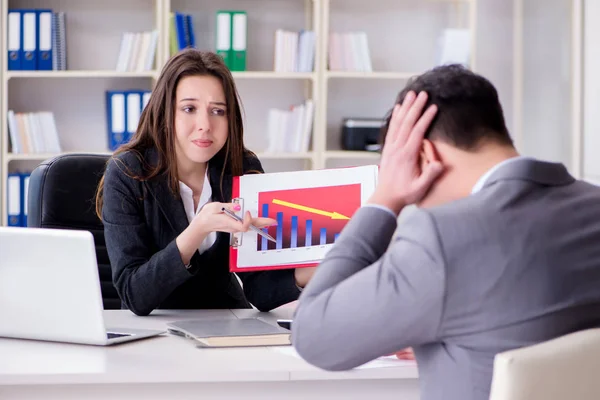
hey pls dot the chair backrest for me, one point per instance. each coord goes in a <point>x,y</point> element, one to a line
<point>61,195</point>
<point>562,368</point>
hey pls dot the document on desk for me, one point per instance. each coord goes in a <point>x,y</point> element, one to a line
<point>381,362</point>
<point>222,332</point>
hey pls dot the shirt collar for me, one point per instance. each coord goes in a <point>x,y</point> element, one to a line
<point>205,196</point>
<point>481,182</point>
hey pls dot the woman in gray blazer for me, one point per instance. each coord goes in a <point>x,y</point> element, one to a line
<point>162,195</point>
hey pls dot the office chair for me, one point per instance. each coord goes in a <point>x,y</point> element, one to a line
<point>61,195</point>
<point>558,369</point>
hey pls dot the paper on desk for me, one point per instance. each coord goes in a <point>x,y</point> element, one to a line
<point>381,362</point>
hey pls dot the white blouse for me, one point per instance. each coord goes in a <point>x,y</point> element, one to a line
<point>188,205</point>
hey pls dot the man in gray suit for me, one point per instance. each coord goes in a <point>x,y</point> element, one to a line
<point>502,252</point>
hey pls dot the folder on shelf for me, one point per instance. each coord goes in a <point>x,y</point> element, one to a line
<point>191,38</point>
<point>24,180</point>
<point>145,99</point>
<point>306,51</point>
<point>14,40</point>
<point>180,26</point>
<point>151,54</point>
<point>134,109</point>
<point>181,32</point>
<point>116,116</point>
<point>14,201</point>
<point>239,40</point>
<point>123,111</point>
<point>29,22</point>
<point>16,145</point>
<point>223,35</point>
<point>59,42</point>
<point>311,208</point>
<point>125,51</point>
<point>44,39</point>
<point>289,131</point>
<point>173,46</point>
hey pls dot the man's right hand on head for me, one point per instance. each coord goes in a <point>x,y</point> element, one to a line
<point>401,179</point>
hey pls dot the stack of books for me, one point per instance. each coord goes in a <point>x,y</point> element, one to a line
<point>349,52</point>
<point>33,132</point>
<point>138,51</point>
<point>294,51</point>
<point>290,130</point>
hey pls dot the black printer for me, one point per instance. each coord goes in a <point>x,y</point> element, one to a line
<point>362,134</point>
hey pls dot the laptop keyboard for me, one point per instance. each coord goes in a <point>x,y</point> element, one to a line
<point>116,335</point>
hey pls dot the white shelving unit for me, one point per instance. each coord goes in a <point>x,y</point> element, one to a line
<point>402,39</point>
<point>79,74</point>
<point>94,30</point>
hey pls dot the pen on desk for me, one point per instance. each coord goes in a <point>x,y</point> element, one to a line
<point>255,229</point>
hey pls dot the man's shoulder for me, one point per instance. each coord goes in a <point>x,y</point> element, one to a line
<point>457,209</point>
<point>447,223</point>
<point>473,216</point>
<point>587,187</point>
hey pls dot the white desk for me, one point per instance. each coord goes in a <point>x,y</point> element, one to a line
<point>171,367</point>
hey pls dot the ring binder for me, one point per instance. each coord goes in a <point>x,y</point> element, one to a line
<point>236,238</point>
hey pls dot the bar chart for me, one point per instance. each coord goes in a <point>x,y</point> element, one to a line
<point>307,217</point>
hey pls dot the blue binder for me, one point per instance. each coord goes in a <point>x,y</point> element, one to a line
<point>145,98</point>
<point>24,181</point>
<point>14,39</point>
<point>134,106</point>
<point>116,113</point>
<point>44,39</point>
<point>180,26</point>
<point>14,203</point>
<point>29,40</point>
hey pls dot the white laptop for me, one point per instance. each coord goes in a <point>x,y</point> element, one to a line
<point>50,288</point>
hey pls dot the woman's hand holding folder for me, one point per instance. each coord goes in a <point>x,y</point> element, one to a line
<point>211,218</point>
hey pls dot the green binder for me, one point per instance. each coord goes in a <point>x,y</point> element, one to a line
<point>223,37</point>
<point>239,40</point>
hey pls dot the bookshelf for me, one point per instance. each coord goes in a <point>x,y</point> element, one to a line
<point>93,35</point>
<point>388,25</point>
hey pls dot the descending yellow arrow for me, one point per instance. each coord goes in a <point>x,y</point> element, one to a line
<point>332,215</point>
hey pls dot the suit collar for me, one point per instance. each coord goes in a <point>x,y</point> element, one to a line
<point>484,178</point>
<point>528,169</point>
<point>168,202</point>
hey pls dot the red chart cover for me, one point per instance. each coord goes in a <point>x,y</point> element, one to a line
<point>309,219</point>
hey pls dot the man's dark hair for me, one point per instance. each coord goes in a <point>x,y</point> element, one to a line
<point>468,107</point>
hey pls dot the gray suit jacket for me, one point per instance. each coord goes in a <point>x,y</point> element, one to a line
<point>512,265</point>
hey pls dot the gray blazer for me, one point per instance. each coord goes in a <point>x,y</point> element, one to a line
<point>512,265</point>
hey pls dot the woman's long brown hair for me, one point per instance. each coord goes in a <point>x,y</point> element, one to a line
<point>156,128</point>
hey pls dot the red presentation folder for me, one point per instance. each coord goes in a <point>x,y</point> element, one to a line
<point>311,209</point>
<point>233,252</point>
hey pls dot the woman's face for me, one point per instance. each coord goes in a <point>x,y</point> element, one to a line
<point>201,126</point>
